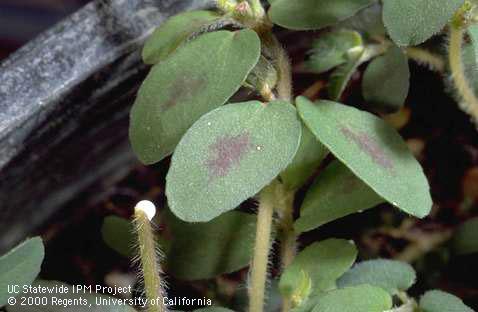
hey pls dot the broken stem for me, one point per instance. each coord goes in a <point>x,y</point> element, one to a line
<point>150,269</point>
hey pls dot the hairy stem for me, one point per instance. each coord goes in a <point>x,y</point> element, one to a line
<point>150,269</point>
<point>469,103</point>
<point>288,236</point>
<point>426,58</point>
<point>282,64</point>
<point>261,250</point>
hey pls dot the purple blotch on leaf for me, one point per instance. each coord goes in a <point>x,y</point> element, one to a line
<point>226,153</point>
<point>184,89</point>
<point>369,146</point>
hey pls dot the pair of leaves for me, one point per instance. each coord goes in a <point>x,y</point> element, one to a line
<point>372,150</point>
<point>439,301</point>
<point>20,266</point>
<point>322,262</point>
<point>193,252</point>
<point>189,83</point>
<point>91,299</point>
<point>229,155</point>
<point>313,14</point>
<point>411,22</point>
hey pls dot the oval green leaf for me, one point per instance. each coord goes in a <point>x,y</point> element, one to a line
<point>20,266</point>
<point>440,301</point>
<point>411,22</point>
<point>393,276</point>
<point>308,158</point>
<point>373,150</point>
<point>331,49</point>
<point>386,81</point>
<point>199,77</point>
<point>169,36</point>
<point>322,262</point>
<point>197,253</point>
<point>336,193</point>
<point>229,155</point>
<point>363,298</point>
<point>57,301</point>
<point>313,14</point>
<point>465,238</point>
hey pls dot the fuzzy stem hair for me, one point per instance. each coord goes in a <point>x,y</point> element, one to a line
<point>262,246</point>
<point>150,269</point>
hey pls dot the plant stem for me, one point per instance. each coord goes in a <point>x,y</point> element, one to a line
<point>261,250</point>
<point>288,236</point>
<point>424,57</point>
<point>469,104</point>
<point>150,269</point>
<point>284,71</point>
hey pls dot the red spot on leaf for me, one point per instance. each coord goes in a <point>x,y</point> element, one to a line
<point>226,153</point>
<point>369,146</point>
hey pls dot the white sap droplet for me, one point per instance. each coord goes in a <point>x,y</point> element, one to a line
<point>209,123</point>
<point>395,204</point>
<point>147,207</point>
<point>259,147</point>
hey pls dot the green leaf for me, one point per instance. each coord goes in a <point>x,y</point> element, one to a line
<point>373,150</point>
<point>364,298</point>
<point>336,193</point>
<point>313,14</point>
<point>199,77</point>
<point>331,49</point>
<point>308,158</point>
<point>465,239</point>
<point>411,22</point>
<point>57,301</point>
<point>341,75</point>
<point>439,301</point>
<point>323,262</point>
<point>20,266</point>
<point>367,21</point>
<point>169,36</point>
<point>393,276</point>
<point>386,81</point>
<point>229,155</point>
<point>205,250</point>
<point>118,234</point>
